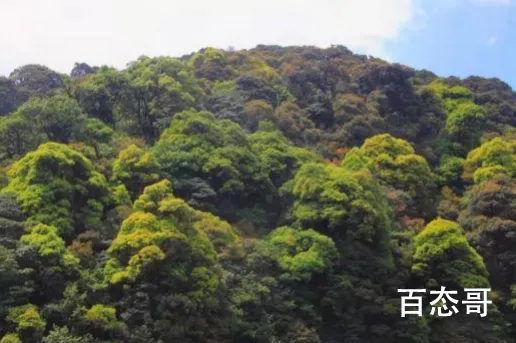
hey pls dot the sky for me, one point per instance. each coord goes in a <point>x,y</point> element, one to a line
<point>448,37</point>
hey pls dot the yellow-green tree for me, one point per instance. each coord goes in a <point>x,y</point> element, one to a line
<point>494,157</point>
<point>443,257</point>
<point>465,120</point>
<point>136,169</point>
<point>56,185</point>
<point>28,323</point>
<point>166,243</point>
<point>395,163</point>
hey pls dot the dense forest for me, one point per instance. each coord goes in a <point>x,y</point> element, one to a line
<point>278,194</point>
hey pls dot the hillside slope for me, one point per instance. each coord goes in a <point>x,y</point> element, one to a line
<point>278,194</point>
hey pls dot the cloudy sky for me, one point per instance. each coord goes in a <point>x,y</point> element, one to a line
<point>457,37</point>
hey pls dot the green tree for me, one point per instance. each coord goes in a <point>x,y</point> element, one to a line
<point>300,254</point>
<point>32,79</point>
<point>11,220</point>
<point>350,208</point>
<point>212,165</point>
<point>294,123</point>
<point>45,240</point>
<point>9,97</point>
<point>443,257</point>
<point>19,135</point>
<point>211,64</point>
<point>276,295</point>
<point>43,257</point>
<point>358,119</point>
<point>81,69</point>
<point>394,162</point>
<point>59,117</point>
<point>487,216</point>
<point>57,185</point>
<point>29,325</point>
<point>277,155</point>
<point>494,157</point>
<point>163,243</point>
<point>158,88</point>
<point>255,111</point>
<point>136,169</point>
<point>11,338</point>
<point>100,94</point>
<point>62,335</point>
<point>464,119</point>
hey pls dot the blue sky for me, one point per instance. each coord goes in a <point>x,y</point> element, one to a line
<point>448,37</point>
<point>460,38</point>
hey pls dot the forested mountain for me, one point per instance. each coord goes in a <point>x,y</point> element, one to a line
<point>278,194</point>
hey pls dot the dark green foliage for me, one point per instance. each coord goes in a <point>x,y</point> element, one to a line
<point>81,70</point>
<point>62,335</point>
<point>100,93</point>
<point>487,215</point>
<point>11,220</point>
<point>280,158</point>
<point>59,116</point>
<point>9,97</point>
<point>212,164</point>
<point>35,79</point>
<point>350,207</point>
<point>158,88</point>
<point>18,135</point>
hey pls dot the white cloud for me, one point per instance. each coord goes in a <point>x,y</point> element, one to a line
<point>492,41</point>
<point>58,33</point>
